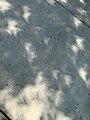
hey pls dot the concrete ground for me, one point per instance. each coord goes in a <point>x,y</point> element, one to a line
<point>45,59</point>
<point>2,117</point>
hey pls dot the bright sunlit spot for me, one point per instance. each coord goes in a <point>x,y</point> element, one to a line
<point>81,11</point>
<point>4,6</point>
<point>46,40</point>
<point>34,111</point>
<point>63,1</point>
<point>26,13</point>
<point>68,80</point>
<point>62,116</point>
<point>13,27</point>
<point>74,48</point>
<point>55,74</point>
<point>31,54</point>
<point>83,73</point>
<point>80,43</point>
<point>77,22</point>
<point>35,96</point>
<point>82,1</point>
<point>58,97</point>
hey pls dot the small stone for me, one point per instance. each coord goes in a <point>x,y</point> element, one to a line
<point>77,103</point>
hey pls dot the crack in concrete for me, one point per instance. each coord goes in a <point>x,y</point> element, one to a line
<point>72,13</point>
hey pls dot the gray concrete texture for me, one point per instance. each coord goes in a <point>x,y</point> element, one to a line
<point>45,59</point>
<point>2,117</point>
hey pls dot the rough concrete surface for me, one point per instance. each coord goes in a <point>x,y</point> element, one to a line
<point>44,60</point>
<point>79,7</point>
<point>2,117</point>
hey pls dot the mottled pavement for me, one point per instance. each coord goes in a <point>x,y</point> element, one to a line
<point>45,59</point>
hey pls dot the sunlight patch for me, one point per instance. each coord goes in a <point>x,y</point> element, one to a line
<point>63,1</point>
<point>13,27</point>
<point>74,48</point>
<point>83,73</point>
<point>34,111</point>
<point>40,77</point>
<point>68,80</point>
<point>81,11</point>
<point>58,97</point>
<point>36,102</point>
<point>46,40</point>
<point>37,93</point>
<point>26,13</point>
<point>62,116</point>
<point>80,43</point>
<point>82,1</point>
<point>10,103</point>
<point>30,52</point>
<point>77,22</point>
<point>55,74</point>
<point>50,2</point>
<point>4,6</point>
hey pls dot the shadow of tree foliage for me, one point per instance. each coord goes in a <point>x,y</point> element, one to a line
<point>44,60</point>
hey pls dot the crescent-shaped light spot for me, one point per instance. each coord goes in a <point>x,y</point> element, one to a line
<point>55,73</point>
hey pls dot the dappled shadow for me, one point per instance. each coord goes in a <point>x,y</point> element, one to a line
<point>4,6</point>
<point>79,7</point>
<point>44,61</point>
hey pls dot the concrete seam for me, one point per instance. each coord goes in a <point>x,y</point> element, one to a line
<point>72,13</point>
<point>5,115</point>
